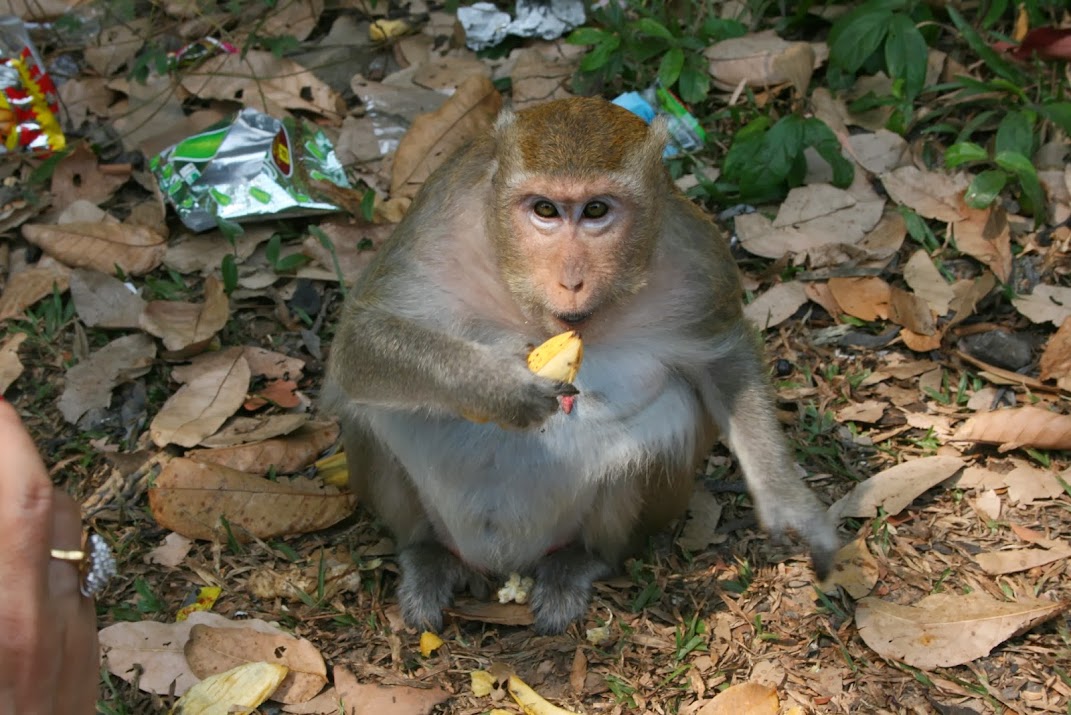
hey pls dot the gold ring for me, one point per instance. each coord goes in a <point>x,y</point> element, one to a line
<point>95,560</point>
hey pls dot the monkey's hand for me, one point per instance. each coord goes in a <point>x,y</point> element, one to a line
<point>514,397</point>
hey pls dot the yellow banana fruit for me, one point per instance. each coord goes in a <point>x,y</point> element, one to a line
<point>246,686</point>
<point>532,702</point>
<point>558,358</point>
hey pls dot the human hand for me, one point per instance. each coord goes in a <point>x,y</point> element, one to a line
<point>49,661</point>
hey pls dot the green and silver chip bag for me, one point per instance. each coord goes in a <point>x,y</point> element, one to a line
<point>251,168</point>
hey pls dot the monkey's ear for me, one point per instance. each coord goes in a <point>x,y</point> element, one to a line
<point>646,158</point>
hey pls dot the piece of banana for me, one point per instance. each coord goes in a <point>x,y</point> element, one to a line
<point>246,686</point>
<point>558,358</point>
<point>532,702</point>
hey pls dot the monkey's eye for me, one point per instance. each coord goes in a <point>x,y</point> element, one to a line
<point>595,209</point>
<point>545,209</point>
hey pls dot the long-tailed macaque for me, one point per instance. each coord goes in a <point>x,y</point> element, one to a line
<point>562,217</point>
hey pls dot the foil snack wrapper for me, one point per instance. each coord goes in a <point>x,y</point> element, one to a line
<point>29,105</point>
<point>252,168</point>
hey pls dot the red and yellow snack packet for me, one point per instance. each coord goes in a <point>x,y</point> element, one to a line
<point>29,106</point>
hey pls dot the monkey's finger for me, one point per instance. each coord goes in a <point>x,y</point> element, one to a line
<point>566,389</point>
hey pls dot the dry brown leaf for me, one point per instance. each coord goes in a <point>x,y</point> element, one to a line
<point>866,298</point>
<point>820,294</point>
<point>911,311</point>
<point>812,222</point>
<point>750,698</point>
<point>152,653</point>
<point>893,489</point>
<point>243,430</point>
<point>878,152</point>
<point>188,326</point>
<point>293,18</point>
<point>986,235</point>
<point>1027,484</point>
<point>434,137</point>
<point>854,569</point>
<point>1018,427</point>
<point>135,250</point>
<point>931,194</point>
<point>776,305</point>
<point>30,285</point>
<point>103,301</point>
<point>761,59</point>
<point>82,96</point>
<point>191,497</point>
<point>356,698</point>
<point>203,253</point>
<point>968,293</point>
<point>78,177</point>
<point>1047,303</point>
<point>216,650</point>
<point>869,411</point>
<point>920,343</point>
<point>279,393</point>
<point>152,107</point>
<point>89,384</point>
<point>447,73</point>
<point>927,282</point>
<point>1056,360</point>
<point>10,365</point>
<point>542,72</point>
<point>701,528</point>
<point>171,552</point>
<point>273,365</point>
<point>947,629</point>
<point>262,81</point>
<point>996,563</point>
<point>355,246</point>
<point>112,47</point>
<point>502,614</point>
<point>203,404</point>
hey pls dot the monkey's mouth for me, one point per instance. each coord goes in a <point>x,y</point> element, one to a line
<point>574,320</point>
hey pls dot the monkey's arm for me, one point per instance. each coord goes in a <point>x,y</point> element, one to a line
<point>381,358</point>
<point>740,399</point>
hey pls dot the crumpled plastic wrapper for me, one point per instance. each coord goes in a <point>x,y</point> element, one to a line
<point>251,168</point>
<point>486,26</point>
<point>29,106</point>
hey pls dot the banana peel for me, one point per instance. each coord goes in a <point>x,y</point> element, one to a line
<point>246,686</point>
<point>532,702</point>
<point>333,470</point>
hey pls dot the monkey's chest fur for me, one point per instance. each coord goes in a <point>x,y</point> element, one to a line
<point>502,499</point>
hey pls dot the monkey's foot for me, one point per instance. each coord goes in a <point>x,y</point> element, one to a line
<point>562,590</point>
<point>430,575</point>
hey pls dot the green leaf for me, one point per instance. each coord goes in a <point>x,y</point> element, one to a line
<point>859,40</point>
<point>587,36</point>
<point>905,55</point>
<point>964,152</point>
<point>654,28</point>
<point>1059,113</point>
<point>985,188</point>
<point>599,56</point>
<point>291,263</point>
<point>764,166</point>
<point>670,67</point>
<point>995,62</point>
<point>1027,175</point>
<point>716,29</point>
<point>818,135</point>
<point>694,85</point>
<point>271,250</point>
<point>229,269</point>
<point>368,205</point>
<point>1016,133</point>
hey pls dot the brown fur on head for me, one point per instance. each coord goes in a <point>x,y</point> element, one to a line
<point>577,156</point>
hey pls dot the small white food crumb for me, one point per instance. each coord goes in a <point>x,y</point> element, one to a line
<point>516,589</point>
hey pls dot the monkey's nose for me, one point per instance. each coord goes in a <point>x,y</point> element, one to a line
<point>572,285</point>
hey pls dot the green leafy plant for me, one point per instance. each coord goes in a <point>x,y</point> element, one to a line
<point>279,262</point>
<point>635,43</point>
<point>766,158</point>
<point>1013,146</point>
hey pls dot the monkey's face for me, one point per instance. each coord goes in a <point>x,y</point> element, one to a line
<point>574,247</point>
